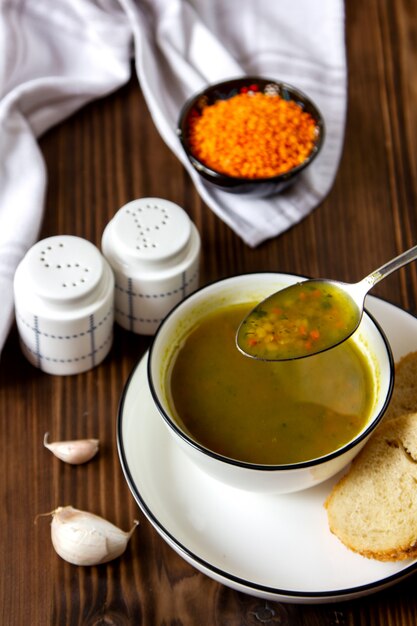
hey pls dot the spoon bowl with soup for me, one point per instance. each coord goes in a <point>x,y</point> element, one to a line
<point>309,317</point>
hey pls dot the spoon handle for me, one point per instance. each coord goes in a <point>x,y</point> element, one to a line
<point>391,266</point>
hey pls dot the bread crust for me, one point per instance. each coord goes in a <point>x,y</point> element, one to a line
<point>373,508</point>
<point>404,397</point>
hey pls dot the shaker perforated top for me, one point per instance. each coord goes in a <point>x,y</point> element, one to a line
<point>150,232</point>
<point>64,269</point>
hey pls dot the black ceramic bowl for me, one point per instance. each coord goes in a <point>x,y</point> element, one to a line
<point>227,89</point>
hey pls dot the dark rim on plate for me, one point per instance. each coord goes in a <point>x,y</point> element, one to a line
<point>247,585</point>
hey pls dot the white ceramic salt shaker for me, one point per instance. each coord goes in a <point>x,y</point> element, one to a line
<point>154,249</point>
<point>64,303</point>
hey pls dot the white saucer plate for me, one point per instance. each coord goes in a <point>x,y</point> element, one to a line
<point>275,547</point>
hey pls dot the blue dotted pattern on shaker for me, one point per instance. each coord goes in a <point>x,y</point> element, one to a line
<point>36,331</point>
<point>90,331</point>
<point>132,294</point>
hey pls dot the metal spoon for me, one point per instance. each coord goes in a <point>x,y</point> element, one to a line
<point>310,316</point>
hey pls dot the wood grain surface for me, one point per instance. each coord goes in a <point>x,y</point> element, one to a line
<point>102,157</point>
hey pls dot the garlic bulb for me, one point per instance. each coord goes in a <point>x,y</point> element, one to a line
<point>74,452</point>
<point>82,538</point>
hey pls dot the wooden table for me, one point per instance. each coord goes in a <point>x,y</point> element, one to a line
<point>99,159</point>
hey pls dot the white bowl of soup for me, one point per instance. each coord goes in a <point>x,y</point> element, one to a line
<point>264,426</point>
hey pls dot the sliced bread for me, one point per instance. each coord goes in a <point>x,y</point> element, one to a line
<point>404,397</point>
<point>373,508</point>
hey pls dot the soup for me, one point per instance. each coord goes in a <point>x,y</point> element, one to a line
<point>267,412</point>
<point>303,319</point>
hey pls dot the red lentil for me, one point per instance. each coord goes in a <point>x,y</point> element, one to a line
<point>252,135</point>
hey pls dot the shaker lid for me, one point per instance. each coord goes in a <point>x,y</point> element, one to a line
<point>149,232</point>
<point>63,268</point>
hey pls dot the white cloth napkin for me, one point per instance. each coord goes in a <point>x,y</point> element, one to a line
<point>56,55</point>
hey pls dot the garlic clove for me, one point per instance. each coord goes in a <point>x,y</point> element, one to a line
<point>82,538</point>
<point>75,452</point>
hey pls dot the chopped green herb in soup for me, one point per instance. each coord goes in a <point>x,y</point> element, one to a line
<point>302,319</point>
<point>267,412</point>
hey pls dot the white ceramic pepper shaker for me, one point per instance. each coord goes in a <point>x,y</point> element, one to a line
<point>64,303</point>
<point>154,249</point>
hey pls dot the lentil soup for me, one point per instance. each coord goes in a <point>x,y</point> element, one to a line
<point>266,412</point>
<point>302,319</point>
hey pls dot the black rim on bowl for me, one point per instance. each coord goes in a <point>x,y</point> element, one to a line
<point>228,89</point>
<point>290,466</point>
